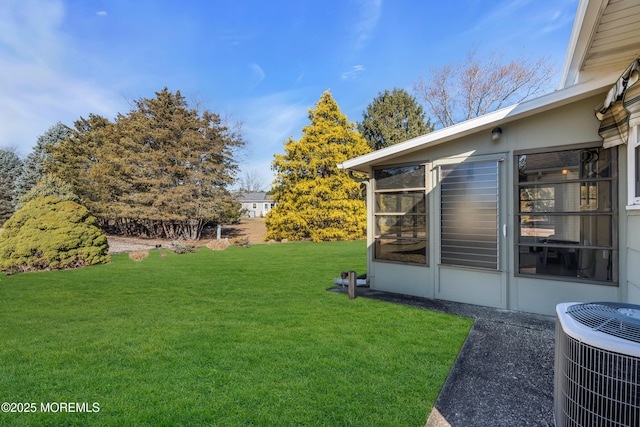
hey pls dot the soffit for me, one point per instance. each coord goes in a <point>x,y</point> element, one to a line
<point>606,38</point>
<point>616,41</point>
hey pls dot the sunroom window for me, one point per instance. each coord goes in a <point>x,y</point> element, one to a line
<point>400,214</point>
<point>469,199</point>
<point>566,214</point>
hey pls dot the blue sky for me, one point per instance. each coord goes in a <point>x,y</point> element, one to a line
<point>261,63</point>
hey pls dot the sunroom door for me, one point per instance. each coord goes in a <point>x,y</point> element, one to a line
<point>471,232</point>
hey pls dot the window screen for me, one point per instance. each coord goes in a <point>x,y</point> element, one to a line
<point>400,214</point>
<point>566,214</point>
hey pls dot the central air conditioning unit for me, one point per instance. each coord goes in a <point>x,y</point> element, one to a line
<point>597,365</point>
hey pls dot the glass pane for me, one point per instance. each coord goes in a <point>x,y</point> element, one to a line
<point>400,177</point>
<point>595,196</point>
<point>595,264</point>
<point>401,226</point>
<point>402,202</point>
<point>569,197</point>
<point>566,230</point>
<point>414,251</point>
<point>588,163</point>
<point>469,214</point>
<point>537,198</point>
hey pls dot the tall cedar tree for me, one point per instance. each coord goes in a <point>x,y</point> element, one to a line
<point>314,199</point>
<point>33,168</point>
<point>162,170</point>
<point>10,168</point>
<point>391,118</point>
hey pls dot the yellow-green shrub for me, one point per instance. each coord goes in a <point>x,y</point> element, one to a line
<point>49,234</point>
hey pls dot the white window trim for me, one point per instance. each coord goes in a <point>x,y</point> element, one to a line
<point>633,202</point>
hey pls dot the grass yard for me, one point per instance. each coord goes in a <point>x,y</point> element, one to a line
<point>244,336</point>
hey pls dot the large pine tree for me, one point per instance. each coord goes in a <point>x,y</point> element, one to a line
<point>161,170</point>
<point>10,168</point>
<point>314,198</point>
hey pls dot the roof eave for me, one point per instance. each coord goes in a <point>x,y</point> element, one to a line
<point>584,28</point>
<point>479,124</point>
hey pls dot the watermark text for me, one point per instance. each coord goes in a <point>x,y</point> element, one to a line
<point>52,407</point>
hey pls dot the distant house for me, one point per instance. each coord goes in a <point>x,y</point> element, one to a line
<point>255,205</point>
<point>529,206</point>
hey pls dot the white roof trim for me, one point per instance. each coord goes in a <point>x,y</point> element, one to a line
<point>584,28</point>
<point>478,124</point>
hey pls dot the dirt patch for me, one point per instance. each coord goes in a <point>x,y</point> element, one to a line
<point>247,231</point>
<point>252,229</point>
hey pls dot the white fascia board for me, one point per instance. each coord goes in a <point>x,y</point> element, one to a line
<point>479,124</point>
<point>432,138</point>
<point>584,29</point>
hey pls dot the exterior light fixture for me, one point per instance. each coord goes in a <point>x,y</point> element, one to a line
<point>496,133</point>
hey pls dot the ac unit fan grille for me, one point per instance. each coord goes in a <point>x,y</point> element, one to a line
<point>599,388</point>
<point>616,319</point>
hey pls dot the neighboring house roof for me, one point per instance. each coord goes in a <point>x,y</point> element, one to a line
<point>254,197</point>
<point>605,19</point>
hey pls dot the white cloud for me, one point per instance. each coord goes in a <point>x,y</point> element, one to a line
<point>37,90</point>
<point>506,15</point>
<point>353,72</point>
<point>370,12</point>
<point>258,75</point>
<point>269,121</point>
<point>102,13</point>
<point>30,28</point>
<point>235,39</point>
<point>274,118</point>
<point>557,19</point>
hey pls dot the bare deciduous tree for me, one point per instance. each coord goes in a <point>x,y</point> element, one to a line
<point>253,182</point>
<point>475,87</point>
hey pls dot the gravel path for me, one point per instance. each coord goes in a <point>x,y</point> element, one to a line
<point>124,244</point>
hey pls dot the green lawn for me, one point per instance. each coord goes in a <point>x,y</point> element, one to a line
<point>244,336</point>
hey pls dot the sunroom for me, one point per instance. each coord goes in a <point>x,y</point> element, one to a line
<point>525,207</point>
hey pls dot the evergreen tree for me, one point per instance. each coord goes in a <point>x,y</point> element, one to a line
<point>88,161</point>
<point>51,234</point>
<point>49,185</point>
<point>161,170</point>
<point>391,118</point>
<point>10,168</point>
<point>34,166</point>
<point>314,198</point>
